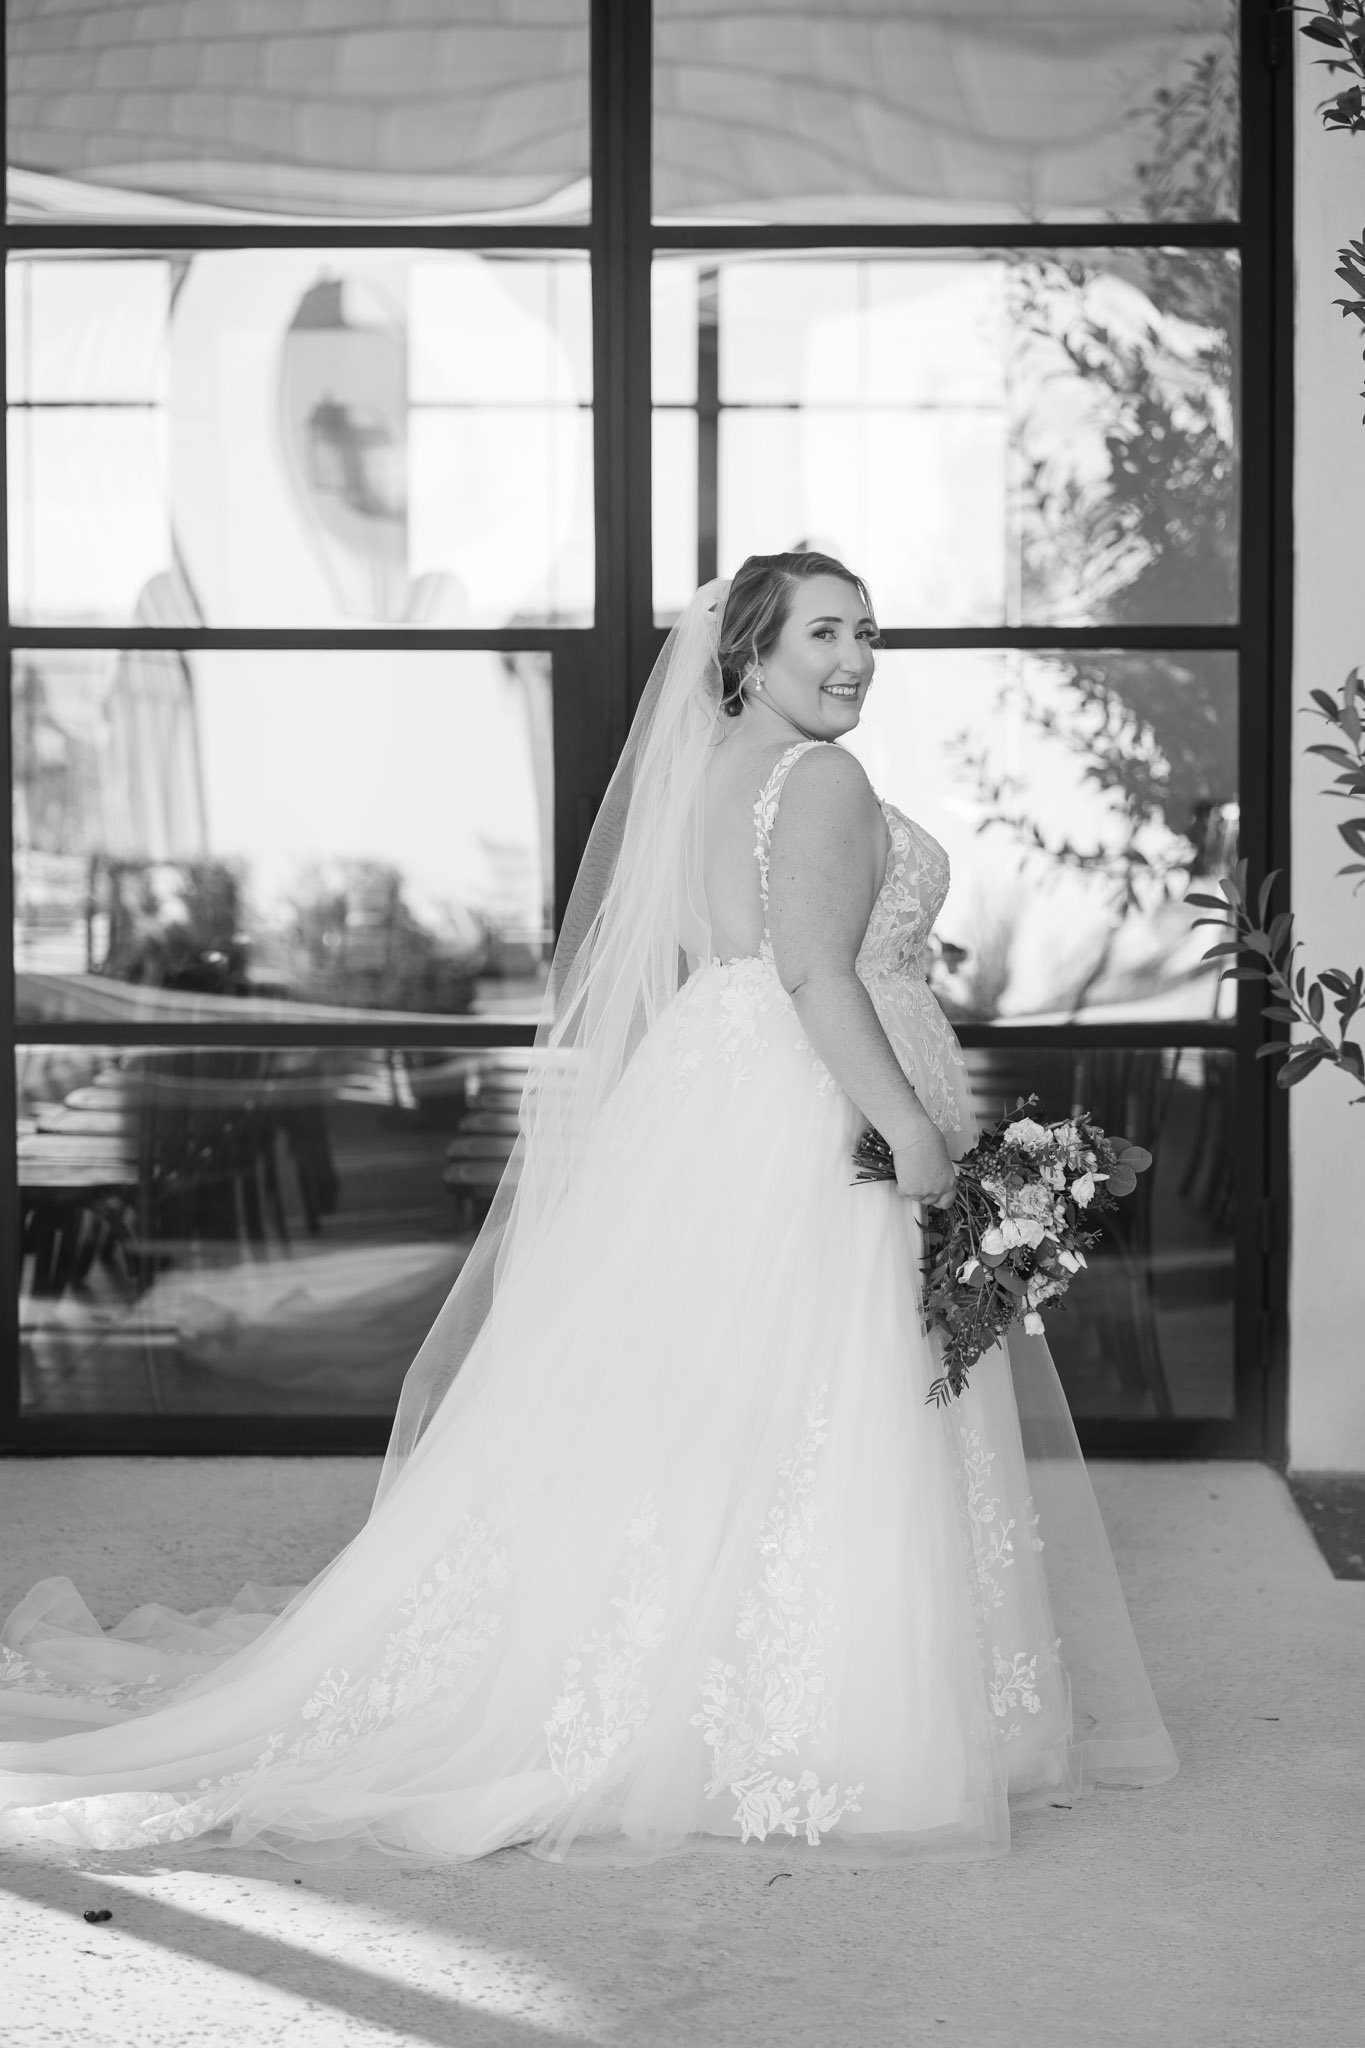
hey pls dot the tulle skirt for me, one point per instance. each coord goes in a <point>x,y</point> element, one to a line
<point>684,1558</point>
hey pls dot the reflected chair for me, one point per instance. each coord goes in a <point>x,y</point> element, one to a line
<point>211,1127</point>
<point>486,1137</point>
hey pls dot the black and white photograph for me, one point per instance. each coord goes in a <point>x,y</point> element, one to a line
<point>681,1316</point>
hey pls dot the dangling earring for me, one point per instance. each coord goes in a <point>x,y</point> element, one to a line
<point>757,675</point>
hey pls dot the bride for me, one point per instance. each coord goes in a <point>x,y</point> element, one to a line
<point>681,1556</point>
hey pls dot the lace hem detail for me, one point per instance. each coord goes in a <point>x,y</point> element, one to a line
<point>585,1738</point>
<point>753,1716</point>
<point>20,1674</point>
<point>1013,1689</point>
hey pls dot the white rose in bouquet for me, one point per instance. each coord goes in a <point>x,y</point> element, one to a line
<point>1028,1135</point>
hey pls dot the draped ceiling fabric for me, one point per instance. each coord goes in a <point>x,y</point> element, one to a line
<point>315,109</point>
<point>769,110</point>
<point>915,110</point>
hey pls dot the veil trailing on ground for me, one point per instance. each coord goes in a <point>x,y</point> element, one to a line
<point>636,913</point>
<point>633,1434</point>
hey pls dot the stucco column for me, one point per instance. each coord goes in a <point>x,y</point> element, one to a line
<point>1327,1138</point>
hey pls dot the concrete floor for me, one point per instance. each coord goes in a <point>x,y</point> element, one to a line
<point>1226,1907</point>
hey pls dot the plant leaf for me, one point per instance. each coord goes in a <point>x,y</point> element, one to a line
<point>1301,1064</point>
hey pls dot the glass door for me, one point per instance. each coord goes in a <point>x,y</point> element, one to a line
<point>375,399</point>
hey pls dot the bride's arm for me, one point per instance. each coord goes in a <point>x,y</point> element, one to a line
<point>825,868</point>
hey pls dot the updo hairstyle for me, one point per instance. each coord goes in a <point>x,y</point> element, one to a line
<point>758,607</point>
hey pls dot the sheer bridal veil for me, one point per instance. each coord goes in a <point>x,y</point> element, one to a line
<point>636,911</point>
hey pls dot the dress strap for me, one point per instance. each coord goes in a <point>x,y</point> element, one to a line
<point>765,814</point>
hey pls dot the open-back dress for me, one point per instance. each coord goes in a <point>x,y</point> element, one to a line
<point>685,1557</point>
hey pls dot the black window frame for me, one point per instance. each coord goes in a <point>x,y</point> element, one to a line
<point>599,672</point>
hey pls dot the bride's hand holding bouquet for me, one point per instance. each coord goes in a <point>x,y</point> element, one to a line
<point>1008,1228</point>
<point>923,1170</point>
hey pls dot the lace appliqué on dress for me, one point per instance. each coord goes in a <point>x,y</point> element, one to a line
<point>585,1738</point>
<point>436,1651</point>
<point>18,1674</point>
<point>892,965</point>
<point>444,1634</point>
<point>688,1060</point>
<point>991,1533</point>
<point>1013,1686</point>
<point>765,817</point>
<point>753,1716</point>
<point>744,996</point>
<point>891,959</point>
<point>723,1029</point>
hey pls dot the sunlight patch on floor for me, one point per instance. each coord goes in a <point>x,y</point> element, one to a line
<point>291,1948</point>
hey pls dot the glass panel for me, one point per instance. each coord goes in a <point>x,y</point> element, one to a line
<point>311,835</point>
<point>250,1230</point>
<point>301,438</point>
<point>988,110</point>
<point>1079,796</point>
<point>676,570</point>
<point>1148,1330</point>
<point>299,110</point>
<point>271,1232</point>
<point>990,438</point>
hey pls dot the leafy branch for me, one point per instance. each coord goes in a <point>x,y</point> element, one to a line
<point>1265,946</point>
<point>1348,760</point>
<point>1298,1002</point>
<point>1340,24</point>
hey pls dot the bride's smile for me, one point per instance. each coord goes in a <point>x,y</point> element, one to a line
<point>815,676</point>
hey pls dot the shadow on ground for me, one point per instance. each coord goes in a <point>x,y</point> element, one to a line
<point>1224,1907</point>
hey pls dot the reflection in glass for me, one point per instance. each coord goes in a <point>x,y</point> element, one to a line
<point>992,110</point>
<point>989,438</point>
<point>1080,797</point>
<point>249,1230</point>
<point>243,835</point>
<point>271,1232</point>
<point>1148,1330</point>
<point>446,111</point>
<point>300,437</point>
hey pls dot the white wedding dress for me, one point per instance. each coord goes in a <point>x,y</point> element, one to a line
<point>684,1557</point>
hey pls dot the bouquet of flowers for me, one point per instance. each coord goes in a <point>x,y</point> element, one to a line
<point>1019,1227</point>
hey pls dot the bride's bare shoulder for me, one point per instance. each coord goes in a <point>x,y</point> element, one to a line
<point>825,767</point>
<point>825,800</point>
<point>827,789</point>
